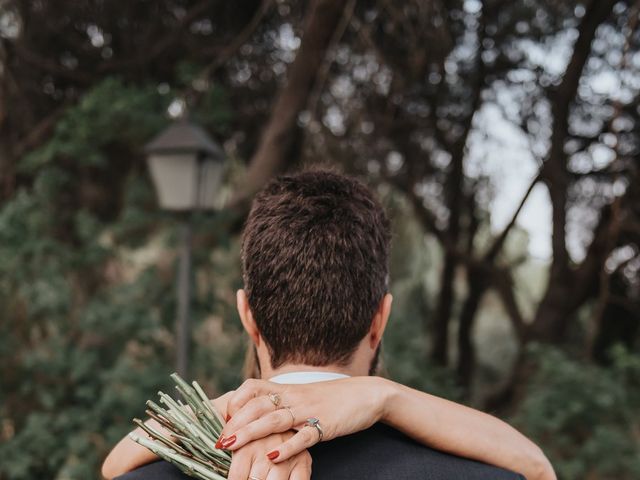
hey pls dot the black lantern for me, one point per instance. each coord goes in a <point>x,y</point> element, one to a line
<point>186,167</point>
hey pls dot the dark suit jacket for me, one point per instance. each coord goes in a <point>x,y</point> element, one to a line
<point>379,453</point>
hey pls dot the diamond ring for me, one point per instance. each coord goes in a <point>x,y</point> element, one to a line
<point>315,423</point>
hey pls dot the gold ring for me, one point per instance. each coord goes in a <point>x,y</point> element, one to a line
<point>293,417</point>
<point>275,399</point>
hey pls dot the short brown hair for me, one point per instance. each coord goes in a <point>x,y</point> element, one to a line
<point>315,254</point>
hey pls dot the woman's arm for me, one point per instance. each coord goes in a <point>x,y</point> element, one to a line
<point>350,405</point>
<point>463,431</point>
<point>128,455</point>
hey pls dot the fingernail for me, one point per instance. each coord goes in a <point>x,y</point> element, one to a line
<point>219,443</point>
<point>227,442</point>
<point>273,455</point>
<point>227,418</point>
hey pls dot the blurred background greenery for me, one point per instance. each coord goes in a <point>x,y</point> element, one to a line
<point>502,136</point>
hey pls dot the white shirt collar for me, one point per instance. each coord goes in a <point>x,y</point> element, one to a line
<point>306,377</point>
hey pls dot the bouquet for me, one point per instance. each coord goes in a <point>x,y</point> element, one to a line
<point>195,427</point>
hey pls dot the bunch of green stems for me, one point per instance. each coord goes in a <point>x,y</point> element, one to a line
<point>192,428</point>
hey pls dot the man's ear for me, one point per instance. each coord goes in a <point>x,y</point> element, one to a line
<point>380,320</point>
<point>246,317</point>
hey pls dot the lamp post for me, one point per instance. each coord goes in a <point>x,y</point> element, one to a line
<point>186,168</point>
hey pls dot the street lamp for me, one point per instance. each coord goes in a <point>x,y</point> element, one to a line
<point>186,166</point>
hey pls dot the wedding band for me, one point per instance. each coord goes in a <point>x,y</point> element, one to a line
<point>314,422</point>
<point>254,478</point>
<point>293,417</point>
<point>275,399</point>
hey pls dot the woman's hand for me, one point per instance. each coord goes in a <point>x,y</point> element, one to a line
<point>342,407</point>
<point>251,461</point>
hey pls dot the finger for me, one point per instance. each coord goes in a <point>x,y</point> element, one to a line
<point>305,438</point>
<point>240,466</point>
<point>252,410</point>
<point>260,470</point>
<point>273,422</point>
<point>251,388</point>
<point>301,472</point>
<point>279,472</point>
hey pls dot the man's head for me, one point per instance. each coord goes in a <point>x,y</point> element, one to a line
<point>314,258</point>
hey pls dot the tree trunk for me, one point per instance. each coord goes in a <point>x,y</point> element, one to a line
<point>6,157</point>
<point>440,351</point>
<point>477,284</point>
<point>553,314</point>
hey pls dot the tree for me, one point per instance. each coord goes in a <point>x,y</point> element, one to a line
<point>420,109</point>
<point>399,94</point>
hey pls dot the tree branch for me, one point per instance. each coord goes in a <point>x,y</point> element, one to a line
<point>500,239</point>
<point>274,149</point>
<point>503,283</point>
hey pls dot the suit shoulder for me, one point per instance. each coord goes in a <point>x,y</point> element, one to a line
<point>160,470</point>
<point>384,453</point>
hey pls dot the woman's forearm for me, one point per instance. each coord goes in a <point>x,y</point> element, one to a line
<point>127,455</point>
<point>462,431</point>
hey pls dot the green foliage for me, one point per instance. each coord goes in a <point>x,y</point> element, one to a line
<point>87,318</point>
<point>111,113</point>
<point>586,417</point>
<point>214,109</point>
<point>67,386</point>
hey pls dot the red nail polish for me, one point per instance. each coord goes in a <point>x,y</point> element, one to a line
<point>229,441</point>
<point>219,443</point>
<point>273,455</point>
